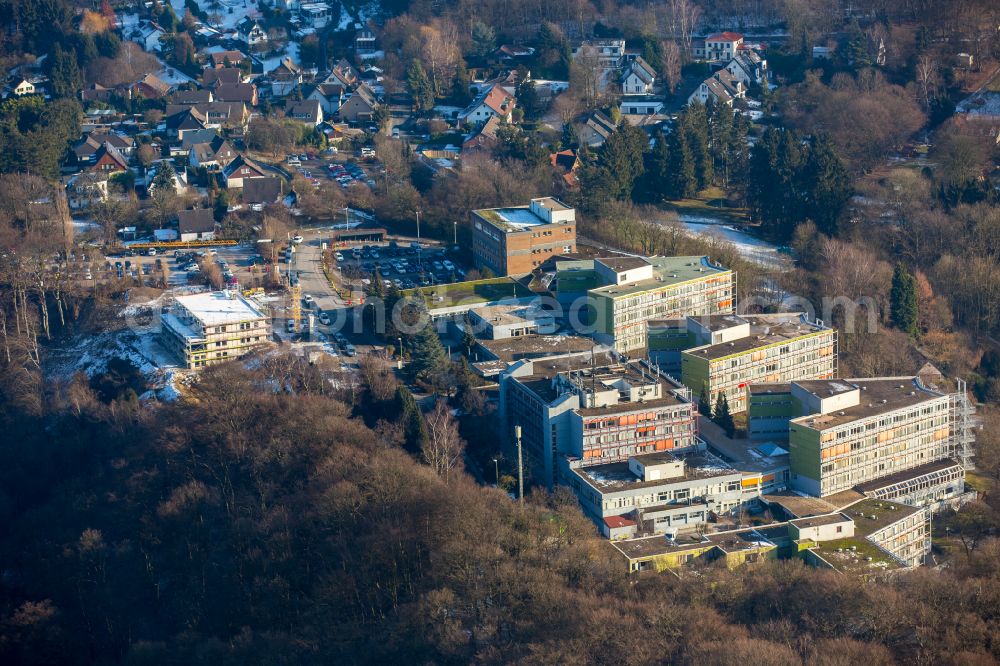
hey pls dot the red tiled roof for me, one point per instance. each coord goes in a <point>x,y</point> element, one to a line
<point>614,522</point>
<point>724,37</point>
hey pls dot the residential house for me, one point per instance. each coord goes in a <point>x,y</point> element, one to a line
<point>360,106</point>
<point>212,155</point>
<point>25,87</point>
<point>316,15</point>
<point>241,170</point>
<point>749,68</point>
<point>343,71</point>
<point>151,87</point>
<point>214,327</point>
<point>95,92</point>
<point>250,32</point>
<point>595,129</point>
<point>720,88</point>
<point>330,96</point>
<point>308,111</point>
<point>109,161</point>
<point>609,52</point>
<point>641,105</point>
<point>232,116</point>
<point>638,77</point>
<point>210,78</point>
<point>148,35</point>
<point>263,191</point>
<point>285,78</point>
<point>483,138</point>
<point>195,137</point>
<point>364,41</point>
<point>236,92</point>
<point>494,102</point>
<point>568,162</point>
<point>719,47</point>
<point>197,224</point>
<point>192,97</point>
<point>513,52</point>
<point>227,59</point>
<point>180,179</point>
<point>86,189</point>
<point>184,120</point>
<point>86,151</point>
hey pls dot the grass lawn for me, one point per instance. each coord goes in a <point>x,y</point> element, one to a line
<point>445,295</point>
<point>710,202</point>
<point>977,482</point>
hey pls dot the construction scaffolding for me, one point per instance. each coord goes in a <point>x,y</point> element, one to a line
<point>962,421</point>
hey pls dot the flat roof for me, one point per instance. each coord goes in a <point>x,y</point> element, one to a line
<point>800,506</point>
<point>214,308</point>
<point>872,515</point>
<point>551,203</point>
<point>819,521</point>
<point>877,396</point>
<point>616,476</point>
<point>659,544</point>
<point>719,322</point>
<point>511,313</point>
<point>765,330</point>
<point>667,271</point>
<point>624,263</point>
<point>537,346</point>
<point>855,555</point>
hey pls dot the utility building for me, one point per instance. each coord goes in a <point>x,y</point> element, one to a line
<point>519,239</point>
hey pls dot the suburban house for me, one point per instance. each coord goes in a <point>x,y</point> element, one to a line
<point>250,32</point>
<point>330,96</point>
<point>720,47</point>
<point>364,41</point>
<point>186,119</point>
<point>493,102</point>
<point>151,87</point>
<point>483,138</point>
<point>86,189</point>
<point>609,52</point>
<point>109,161</point>
<point>86,151</point>
<point>316,15</point>
<point>180,179</point>
<point>263,191</point>
<point>638,77</point>
<point>307,111</point>
<point>195,137</point>
<point>236,92</point>
<point>148,35</point>
<point>749,68</point>
<point>233,116</point>
<point>197,224</point>
<point>595,129</point>
<point>720,88</point>
<point>640,105</point>
<point>226,59</point>
<point>192,97</point>
<point>285,78</point>
<point>25,87</point>
<point>212,155</point>
<point>240,170</point>
<point>360,107</point>
<point>210,78</point>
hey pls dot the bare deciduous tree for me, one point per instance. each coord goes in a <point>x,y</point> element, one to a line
<point>443,447</point>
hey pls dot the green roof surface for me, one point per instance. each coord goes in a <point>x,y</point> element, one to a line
<point>670,270</point>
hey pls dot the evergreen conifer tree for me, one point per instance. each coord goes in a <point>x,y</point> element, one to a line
<point>903,300</point>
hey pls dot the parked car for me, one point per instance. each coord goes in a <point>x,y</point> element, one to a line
<point>308,298</point>
<point>324,319</point>
<point>297,239</point>
<point>291,326</point>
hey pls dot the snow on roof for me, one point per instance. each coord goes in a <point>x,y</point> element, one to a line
<point>215,308</point>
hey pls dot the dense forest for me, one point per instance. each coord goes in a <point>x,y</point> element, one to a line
<point>246,525</point>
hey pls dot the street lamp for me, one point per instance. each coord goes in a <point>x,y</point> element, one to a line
<point>496,466</point>
<point>399,362</point>
<point>520,465</point>
<point>455,237</point>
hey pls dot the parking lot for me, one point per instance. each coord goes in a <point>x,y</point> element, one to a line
<point>405,267</point>
<point>345,169</point>
<point>238,263</point>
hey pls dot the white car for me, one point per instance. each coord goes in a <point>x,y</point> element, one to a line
<point>297,239</point>
<point>339,256</point>
<point>291,326</point>
<point>257,207</point>
<point>324,319</point>
<point>308,298</point>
